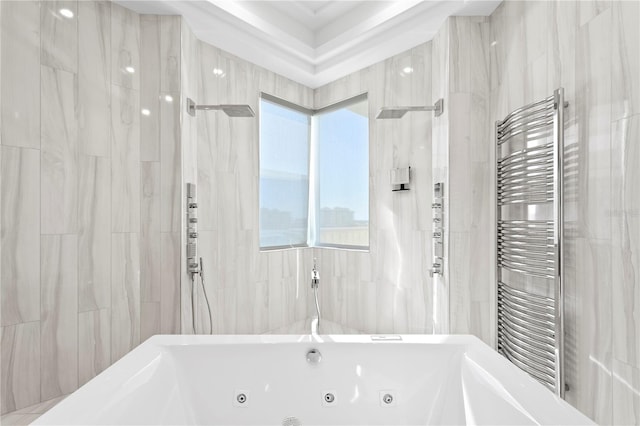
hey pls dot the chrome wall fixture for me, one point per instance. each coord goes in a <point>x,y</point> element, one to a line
<point>230,110</point>
<point>400,111</point>
<point>192,230</point>
<point>529,235</point>
<point>438,231</point>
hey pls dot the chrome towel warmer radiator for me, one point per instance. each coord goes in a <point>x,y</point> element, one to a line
<point>529,233</point>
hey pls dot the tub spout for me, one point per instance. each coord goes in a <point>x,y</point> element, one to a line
<point>315,276</point>
<point>315,281</point>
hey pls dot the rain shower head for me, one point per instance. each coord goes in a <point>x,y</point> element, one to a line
<point>230,110</point>
<point>391,112</point>
<point>400,111</point>
<point>237,110</point>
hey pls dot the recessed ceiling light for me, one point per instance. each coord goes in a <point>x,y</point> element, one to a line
<point>130,69</point>
<point>407,70</point>
<point>145,111</point>
<point>67,13</point>
<point>168,98</point>
<point>218,71</point>
<point>493,43</point>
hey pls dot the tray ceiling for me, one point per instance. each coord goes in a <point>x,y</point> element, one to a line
<point>314,42</point>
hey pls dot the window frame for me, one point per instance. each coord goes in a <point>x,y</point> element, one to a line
<point>313,211</point>
<point>314,155</point>
<point>289,105</point>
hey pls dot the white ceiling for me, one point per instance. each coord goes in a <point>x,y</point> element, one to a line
<point>314,42</point>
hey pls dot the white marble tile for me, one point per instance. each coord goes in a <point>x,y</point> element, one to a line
<point>593,108</point>
<point>208,250</point>
<point>626,394</point>
<point>625,235</point>
<point>94,343</point>
<point>561,51</point>
<point>170,283</point>
<point>625,59</point>
<point>59,42</point>
<point>385,302</point>
<point>20,109</point>
<point>590,9</point>
<point>94,77</point>
<point>59,152</point>
<point>593,340</point>
<point>59,315</point>
<point>94,234</point>
<point>150,320</point>
<point>125,160</point>
<point>125,293</point>
<point>1,30</point>
<point>41,407</point>
<point>20,366</point>
<point>125,47</point>
<point>304,327</point>
<point>150,254</point>
<point>170,32</point>
<point>226,311</point>
<point>261,307</point>
<point>18,419</point>
<point>150,88</point>
<point>20,235</point>
<point>470,68</point>
<point>207,176</point>
<point>171,206</point>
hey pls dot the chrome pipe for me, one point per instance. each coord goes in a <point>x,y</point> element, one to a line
<point>518,111</point>
<point>558,205</point>
<point>541,355</point>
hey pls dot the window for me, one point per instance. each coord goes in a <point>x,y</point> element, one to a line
<point>343,175</point>
<point>314,174</point>
<point>284,175</point>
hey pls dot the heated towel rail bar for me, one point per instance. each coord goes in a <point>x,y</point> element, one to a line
<point>529,235</point>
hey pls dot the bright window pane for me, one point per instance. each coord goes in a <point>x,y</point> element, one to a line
<point>343,176</point>
<point>284,175</point>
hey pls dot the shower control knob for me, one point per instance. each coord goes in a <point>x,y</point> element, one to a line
<point>436,269</point>
<point>193,205</point>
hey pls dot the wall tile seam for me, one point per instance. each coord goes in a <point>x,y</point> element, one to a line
<point>130,89</point>
<point>586,23</point>
<point>619,119</point>
<point>20,323</point>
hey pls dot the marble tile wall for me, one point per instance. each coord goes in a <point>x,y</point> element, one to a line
<point>592,49</point>
<point>462,160</point>
<point>388,289</point>
<point>89,221</point>
<point>384,290</point>
<point>161,163</point>
<point>249,291</point>
<point>440,168</point>
<point>190,67</point>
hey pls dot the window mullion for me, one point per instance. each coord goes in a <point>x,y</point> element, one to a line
<point>314,184</point>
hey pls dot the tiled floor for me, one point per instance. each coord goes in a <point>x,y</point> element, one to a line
<point>27,415</point>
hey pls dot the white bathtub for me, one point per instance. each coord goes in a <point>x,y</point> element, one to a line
<point>199,380</point>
